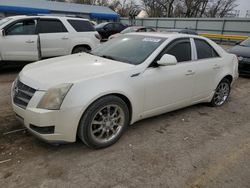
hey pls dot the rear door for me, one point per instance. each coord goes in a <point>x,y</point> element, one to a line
<point>20,43</point>
<point>54,38</point>
<point>208,65</point>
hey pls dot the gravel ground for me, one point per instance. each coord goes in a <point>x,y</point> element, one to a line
<point>198,146</point>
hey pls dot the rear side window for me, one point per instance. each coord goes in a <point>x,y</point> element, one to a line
<point>51,26</point>
<point>204,50</point>
<point>81,25</point>
<point>181,50</point>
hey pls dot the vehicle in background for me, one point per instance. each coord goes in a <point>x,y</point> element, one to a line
<point>135,76</point>
<point>30,38</point>
<point>109,28</point>
<point>133,29</point>
<point>182,31</point>
<point>242,50</point>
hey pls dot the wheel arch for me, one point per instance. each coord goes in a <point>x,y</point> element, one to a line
<point>120,95</point>
<point>228,77</point>
<point>81,45</point>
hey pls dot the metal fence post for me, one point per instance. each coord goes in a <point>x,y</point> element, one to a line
<point>196,24</point>
<point>174,23</point>
<point>223,26</point>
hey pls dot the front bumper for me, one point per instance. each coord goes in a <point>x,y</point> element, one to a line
<point>54,126</point>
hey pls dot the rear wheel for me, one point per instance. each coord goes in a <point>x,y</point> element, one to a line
<point>104,122</point>
<point>221,93</point>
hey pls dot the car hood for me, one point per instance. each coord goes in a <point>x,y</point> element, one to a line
<point>45,74</point>
<point>240,51</point>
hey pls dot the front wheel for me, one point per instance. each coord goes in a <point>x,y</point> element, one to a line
<point>221,93</point>
<point>104,122</point>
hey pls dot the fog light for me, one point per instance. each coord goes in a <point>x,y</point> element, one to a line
<point>43,130</point>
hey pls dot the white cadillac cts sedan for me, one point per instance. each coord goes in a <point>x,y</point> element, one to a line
<point>96,96</point>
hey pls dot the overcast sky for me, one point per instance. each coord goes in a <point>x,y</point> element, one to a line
<point>244,5</point>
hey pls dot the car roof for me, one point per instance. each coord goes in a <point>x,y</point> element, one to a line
<point>139,27</point>
<point>166,35</point>
<point>46,16</point>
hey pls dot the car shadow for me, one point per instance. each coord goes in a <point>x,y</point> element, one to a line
<point>245,76</point>
<point>12,67</point>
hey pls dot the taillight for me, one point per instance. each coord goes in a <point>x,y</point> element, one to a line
<point>98,36</point>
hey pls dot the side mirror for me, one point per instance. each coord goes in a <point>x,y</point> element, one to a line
<point>2,33</point>
<point>167,59</point>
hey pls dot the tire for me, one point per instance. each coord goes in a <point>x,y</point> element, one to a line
<point>80,49</point>
<point>104,122</point>
<point>221,94</point>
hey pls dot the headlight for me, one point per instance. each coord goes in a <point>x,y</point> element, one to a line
<point>53,98</point>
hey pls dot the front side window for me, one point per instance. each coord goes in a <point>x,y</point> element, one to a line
<point>81,25</point>
<point>132,49</point>
<point>24,27</point>
<point>181,49</point>
<point>204,50</point>
<point>51,26</point>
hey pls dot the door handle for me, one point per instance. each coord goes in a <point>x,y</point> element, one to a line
<point>189,72</point>
<point>216,67</point>
<point>65,38</point>
<point>30,41</point>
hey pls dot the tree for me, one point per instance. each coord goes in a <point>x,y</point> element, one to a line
<point>189,8</point>
<point>221,7</point>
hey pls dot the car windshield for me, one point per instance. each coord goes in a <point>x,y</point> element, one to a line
<point>246,43</point>
<point>5,20</point>
<point>129,30</point>
<point>132,49</point>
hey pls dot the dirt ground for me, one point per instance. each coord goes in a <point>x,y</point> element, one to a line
<point>198,146</point>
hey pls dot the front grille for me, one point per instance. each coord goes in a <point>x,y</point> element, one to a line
<point>22,94</point>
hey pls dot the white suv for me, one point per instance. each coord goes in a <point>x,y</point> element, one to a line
<point>30,38</point>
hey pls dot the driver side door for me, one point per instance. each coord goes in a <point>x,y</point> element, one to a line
<point>20,42</point>
<point>169,87</point>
